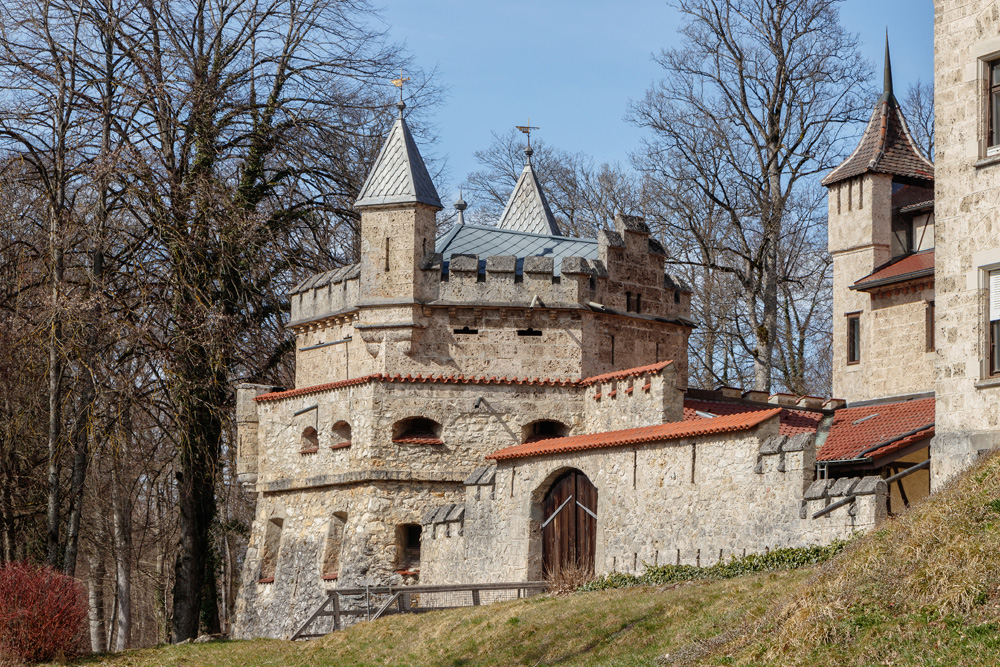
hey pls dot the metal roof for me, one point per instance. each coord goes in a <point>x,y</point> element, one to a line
<point>491,241</point>
<point>399,175</point>
<point>527,209</point>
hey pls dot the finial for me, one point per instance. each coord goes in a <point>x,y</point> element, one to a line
<point>399,84</point>
<point>460,206</point>
<point>526,129</point>
<point>887,93</point>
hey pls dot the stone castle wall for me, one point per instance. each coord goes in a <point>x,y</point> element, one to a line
<point>967,213</point>
<point>712,497</point>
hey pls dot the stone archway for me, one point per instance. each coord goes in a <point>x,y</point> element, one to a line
<point>569,524</point>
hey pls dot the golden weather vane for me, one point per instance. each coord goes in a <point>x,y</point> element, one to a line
<point>399,83</point>
<point>527,130</point>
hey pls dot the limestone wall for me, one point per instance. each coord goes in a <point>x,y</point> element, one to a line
<point>646,399</point>
<point>899,362</point>
<point>967,213</point>
<point>691,501</point>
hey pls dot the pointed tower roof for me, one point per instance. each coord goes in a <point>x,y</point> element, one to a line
<point>527,210</point>
<point>399,175</point>
<point>886,147</point>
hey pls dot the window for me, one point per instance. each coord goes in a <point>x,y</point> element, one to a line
<point>331,550</point>
<point>534,333</point>
<point>543,430</point>
<point>341,435</point>
<point>269,555</point>
<point>628,302</point>
<point>854,338</point>
<point>417,431</point>
<point>993,289</point>
<point>993,107</point>
<point>929,326</point>
<point>638,303</point>
<point>408,547</point>
<point>310,440</point>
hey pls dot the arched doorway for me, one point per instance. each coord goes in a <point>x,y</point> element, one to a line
<point>569,524</point>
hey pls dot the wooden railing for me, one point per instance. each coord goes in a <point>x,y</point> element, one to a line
<point>372,602</point>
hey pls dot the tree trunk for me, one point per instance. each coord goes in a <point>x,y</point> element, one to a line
<point>55,400</point>
<point>95,598</point>
<point>122,518</point>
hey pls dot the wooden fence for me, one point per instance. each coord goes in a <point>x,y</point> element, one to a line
<point>372,602</point>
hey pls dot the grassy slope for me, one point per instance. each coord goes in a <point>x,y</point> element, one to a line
<point>923,590</point>
<point>619,627</point>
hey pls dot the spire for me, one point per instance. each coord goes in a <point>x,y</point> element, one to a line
<point>460,206</point>
<point>527,210</point>
<point>399,175</point>
<point>886,147</point>
<point>887,93</point>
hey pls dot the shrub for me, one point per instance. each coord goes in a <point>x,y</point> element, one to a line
<point>42,613</point>
<point>779,559</point>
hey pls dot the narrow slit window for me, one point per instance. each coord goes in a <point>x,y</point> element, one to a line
<point>466,331</point>
<point>929,326</point>
<point>529,332</point>
<point>854,338</point>
<point>638,303</point>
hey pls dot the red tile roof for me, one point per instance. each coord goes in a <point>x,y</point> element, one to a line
<point>463,379</point>
<point>627,373</point>
<point>433,379</point>
<point>672,431</point>
<point>886,148</point>
<point>792,421</point>
<point>856,429</point>
<point>918,265</point>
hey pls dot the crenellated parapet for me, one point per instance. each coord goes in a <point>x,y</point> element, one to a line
<point>329,295</point>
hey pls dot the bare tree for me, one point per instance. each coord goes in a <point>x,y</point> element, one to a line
<point>919,104</point>
<point>751,106</point>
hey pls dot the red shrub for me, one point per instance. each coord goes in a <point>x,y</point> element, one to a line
<point>42,613</point>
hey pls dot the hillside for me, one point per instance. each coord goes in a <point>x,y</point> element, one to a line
<point>923,590</point>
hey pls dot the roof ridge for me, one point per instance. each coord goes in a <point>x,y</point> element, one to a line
<point>668,431</point>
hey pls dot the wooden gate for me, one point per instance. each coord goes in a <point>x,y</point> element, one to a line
<point>569,524</point>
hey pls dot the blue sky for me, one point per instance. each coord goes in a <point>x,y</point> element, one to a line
<point>573,65</point>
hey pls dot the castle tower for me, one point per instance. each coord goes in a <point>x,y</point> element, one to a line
<point>398,205</point>
<point>871,225</point>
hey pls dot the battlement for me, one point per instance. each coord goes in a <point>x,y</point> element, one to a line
<point>327,294</point>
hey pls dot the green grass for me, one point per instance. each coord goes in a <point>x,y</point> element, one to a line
<point>616,627</point>
<point>924,589</point>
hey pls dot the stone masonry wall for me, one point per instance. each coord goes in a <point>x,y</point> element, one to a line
<point>967,213</point>
<point>691,501</point>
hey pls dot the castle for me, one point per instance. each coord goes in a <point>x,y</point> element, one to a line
<point>504,402</point>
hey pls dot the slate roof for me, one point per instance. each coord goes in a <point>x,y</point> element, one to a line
<point>672,431</point>
<point>792,422</point>
<point>886,147</point>
<point>527,209</point>
<point>399,175</point>
<point>909,267</point>
<point>490,241</point>
<point>896,424</point>
<point>333,276</point>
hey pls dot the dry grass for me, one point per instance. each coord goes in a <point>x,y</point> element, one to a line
<point>926,584</point>
<point>568,579</point>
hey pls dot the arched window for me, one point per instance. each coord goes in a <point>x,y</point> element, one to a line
<point>269,552</point>
<point>543,430</point>
<point>341,435</point>
<point>334,543</point>
<point>310,441</point>
<point>417,431</point>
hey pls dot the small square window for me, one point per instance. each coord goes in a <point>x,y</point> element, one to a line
<point>854,338</point>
